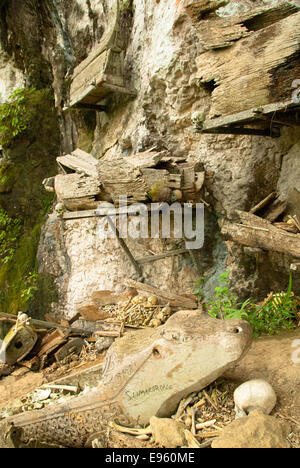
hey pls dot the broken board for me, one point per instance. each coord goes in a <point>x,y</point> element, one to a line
<point>256,232</point>
<point>249,61</point>
<point>79,161</point>
<point>264,121</point>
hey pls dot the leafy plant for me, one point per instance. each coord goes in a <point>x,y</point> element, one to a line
<point>10,229</point>
<point>22,113</point>
<point>225,304</point>
<point>279,312</point>
<point>199,291</point>
<point>31,286</point>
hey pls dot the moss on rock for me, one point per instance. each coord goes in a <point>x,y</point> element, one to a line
<point>32,155</point>
<point>7,177</point>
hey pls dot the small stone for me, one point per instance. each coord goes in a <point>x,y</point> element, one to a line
<point>254,431</point>
<point>103,343</point>
<point>168,432</point>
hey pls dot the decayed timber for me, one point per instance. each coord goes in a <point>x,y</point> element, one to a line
<point>137,177</point>
<point>261,17</point>
<point>173,299</point>
<point>79,161</point>
<point>140,181</point>
<point>270,116</point>
<point>275,210</point>
<point>102,72</point>
<point>263,203</point>
<point>197,8</point>
<point>80,214</point>
<point>108,211</point>
<point>76,186</point>
<point>77,191</point>
<point>256,232</point>
<point>155,258</point>
<point>147,159</point>
<point>47,325</point>
<point>256,70</point>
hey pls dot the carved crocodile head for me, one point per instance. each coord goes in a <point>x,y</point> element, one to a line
<point>150,371</point>
<point>146,373</point>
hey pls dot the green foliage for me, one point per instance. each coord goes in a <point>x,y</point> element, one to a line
<point>30,286</point>
<point>14,274</point>
<point>21,113</point>
<point>199,291</point>
<point>279,313</point>
<point>225,304</point>
<point>10,230</point>
<point>7,177</point>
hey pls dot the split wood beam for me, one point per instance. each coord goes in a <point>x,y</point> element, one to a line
<point>256,232</point>
<point>174,300</point>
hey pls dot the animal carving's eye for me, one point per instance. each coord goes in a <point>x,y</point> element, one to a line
<point>236,330</point>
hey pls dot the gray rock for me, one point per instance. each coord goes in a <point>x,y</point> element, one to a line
<point>103,343</point>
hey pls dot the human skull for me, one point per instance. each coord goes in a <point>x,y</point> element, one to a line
<point>198,119</point>
<point>22,318</point>
<point>49,184</point>
<point>59,209</point>
<point>254,394</point>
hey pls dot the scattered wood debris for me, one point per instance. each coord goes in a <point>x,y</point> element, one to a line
<point>204,421</point>
<point>273,227</point>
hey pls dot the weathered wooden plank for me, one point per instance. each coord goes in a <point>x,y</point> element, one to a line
<point>197,8</point>
<point>102,72</point>
<point>260,233</point>
<point>174,300</point>
<point>126,249</point>
<point>248,116</point>
<point>146,159</point>
<point>80,214</point>
<point>76,186</point>
<point>91,72</point>
<point>77,164</point>
<point>287,227</point>
<point>263,203</point>
<point>276,210</point>
<point>79,204</point>
<point>48,325</point>
<point>87,157</point>
<point>262,17</point>
<point>108,211</point>
<point>256,70</point>
<point>155,258</point>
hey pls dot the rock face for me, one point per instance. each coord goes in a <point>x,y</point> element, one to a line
<point>254,431</point>
<point>170,60</point>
